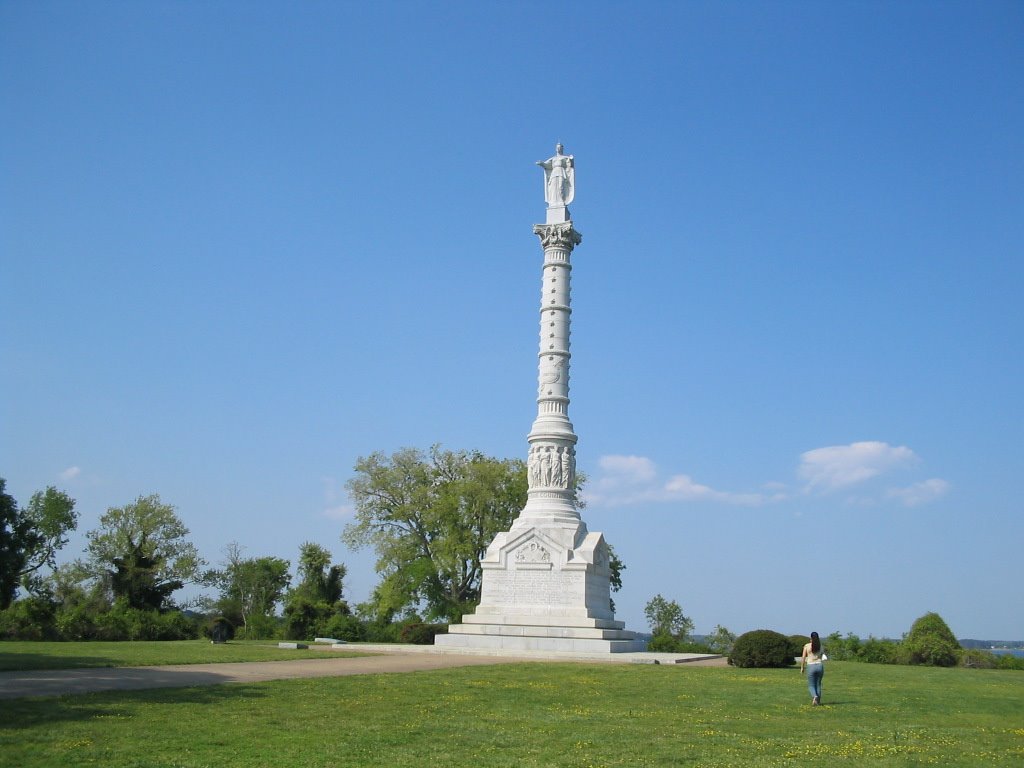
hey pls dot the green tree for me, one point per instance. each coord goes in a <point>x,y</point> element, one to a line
<point>142,552</point>
<point>319,581</point>
<point>51,515</point>
<point>669,625</point>
<point>317,597</point>
<point>250,587</point>
<point>31,537</point>
<point>15,534</point>
<point>430,519</point>
<point>721,639</point>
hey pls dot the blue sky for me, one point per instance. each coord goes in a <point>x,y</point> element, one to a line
<point>243,244</point>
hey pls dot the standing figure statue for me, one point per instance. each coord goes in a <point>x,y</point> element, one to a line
<point>559,178</point>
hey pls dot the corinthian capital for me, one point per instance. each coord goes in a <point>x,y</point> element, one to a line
<point>560,235</point>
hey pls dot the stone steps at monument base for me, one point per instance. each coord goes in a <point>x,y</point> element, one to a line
<point>502,642</point>
<point>527,630</point>
<point>541,620</point>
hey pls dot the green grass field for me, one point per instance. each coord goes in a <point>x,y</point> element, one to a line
<point>16,655</point>
<point>542,714</point>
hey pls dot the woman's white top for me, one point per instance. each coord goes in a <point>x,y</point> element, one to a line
<point>811,657</point>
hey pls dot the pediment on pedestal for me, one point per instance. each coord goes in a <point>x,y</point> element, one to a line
<point>531,550</point>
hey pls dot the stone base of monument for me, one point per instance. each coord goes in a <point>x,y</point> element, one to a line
<point>527,633</point>
<point>544,589</point>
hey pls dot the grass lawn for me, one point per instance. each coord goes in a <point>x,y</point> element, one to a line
<point>542,714</point>
<point>19,656</point>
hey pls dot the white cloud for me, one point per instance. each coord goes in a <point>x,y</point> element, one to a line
<point>626,480</point>
<point>628,469</point>
<point>919,493</point>
<point>841,466</point>
<point>340,512</point>
<point>332,496</point>
<point>70,473</point>
<point>631,480</point>
<point>683,487</point>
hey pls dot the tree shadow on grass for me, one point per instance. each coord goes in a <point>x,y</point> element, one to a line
<point>17,662</point>
<point>16,714</point>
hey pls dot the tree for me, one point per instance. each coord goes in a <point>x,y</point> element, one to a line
<point>30,538</point>
<point>317,598</point>
<point>15,534</point>
<point>250,587</point>
<point>51,513</point>
<point>141,550</point>
<point>319,581</point>
<point>665,617</point>
<point>721,639</point>
<point>430,519</point>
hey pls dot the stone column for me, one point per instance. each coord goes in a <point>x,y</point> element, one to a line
<point>552,457</point>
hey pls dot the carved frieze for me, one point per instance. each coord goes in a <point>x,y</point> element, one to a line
<point>550,466</point>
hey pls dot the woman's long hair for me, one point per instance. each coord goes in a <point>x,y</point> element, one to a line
<point>815,643</point>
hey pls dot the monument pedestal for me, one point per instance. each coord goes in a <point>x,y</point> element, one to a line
<point>544,589</point>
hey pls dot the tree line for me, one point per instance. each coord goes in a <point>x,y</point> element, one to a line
<point>428,515</point>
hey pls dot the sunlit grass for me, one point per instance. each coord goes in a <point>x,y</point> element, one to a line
<point>538,715</point>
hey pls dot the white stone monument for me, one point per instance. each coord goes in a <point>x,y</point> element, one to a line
<point>546,580</point>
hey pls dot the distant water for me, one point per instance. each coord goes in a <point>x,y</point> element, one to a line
<point>1018,652</point>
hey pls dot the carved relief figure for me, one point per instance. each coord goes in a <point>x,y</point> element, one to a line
<point>545,467</point>
<point>559,178</point>
<point>550,373</point>
<point>556,469</point>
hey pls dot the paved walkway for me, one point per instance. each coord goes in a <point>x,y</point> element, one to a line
<point>389,659</point>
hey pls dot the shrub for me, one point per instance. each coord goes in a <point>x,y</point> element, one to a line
<point>347,628</point>
<point>662,643</point>
<point>931,642</point>
<point>382,631</point>
<point>112,625</point>
<point>1008,661</point>
<point>421,634</point>
<point>665,643</point>
<point>77,623</point>
<point>32,618</point>
<point>303,618</point>
<point>219,629</point>
<point>876,651</point>
<point>977,659</point>
<point>692,646</point>
<point>797,643</point>
<point>761,648</point>
<point>260,628</point>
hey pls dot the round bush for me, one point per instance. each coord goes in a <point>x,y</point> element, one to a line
<point>761,648</point>
<point>931,642</point>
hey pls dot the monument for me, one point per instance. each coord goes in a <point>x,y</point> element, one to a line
<point>546,581</point>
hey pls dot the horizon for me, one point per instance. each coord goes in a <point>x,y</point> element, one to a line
<point>243,246</point>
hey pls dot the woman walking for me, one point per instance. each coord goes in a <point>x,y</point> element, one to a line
<point>814,659</point>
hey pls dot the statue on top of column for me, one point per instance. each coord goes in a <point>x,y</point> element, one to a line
<point>559,178</point>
